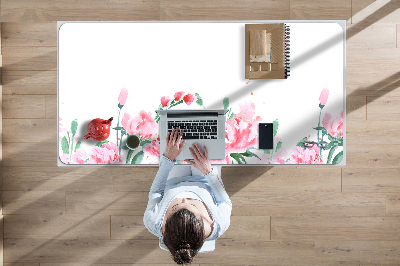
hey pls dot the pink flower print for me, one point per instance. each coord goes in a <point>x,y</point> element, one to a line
<point>79,156</point>
<point>65,158</point>
<point>178,95</point>
<point>142,123</point>
<point>165,101</point>
<point>122,96</point>
<point>306,156</point>
<point>188,98</point>
<point>107,154</point>
<point>60,126</point>
<point>323,97</point>
<point>239,136</point>
<point>333,126</point>
<point>153,148</point>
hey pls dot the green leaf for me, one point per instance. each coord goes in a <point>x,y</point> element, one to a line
<point>300,143</point>
<point>331,152</point>
<point>120,106</point>
<point>138,158</point>
<point>330,137</point>
<point>118,128</point>
<point>65,145</point>
<point>330,145</point>
<point>199,100</point>
<point>74,126</point>
<point>340,142</point>
<point>278,145</point>
<point>321,106</point>
<point>267,151</point>
<point>238,157</point>
<point>318,128</point>
<point>144,142</point>
<point>338,158</point>
<point>128,157</point>
<point>100,144</point>
<point>232,116</point>
<point>248,153</point>
<point>124,148</point>
<point>77,146</point>
<point>226,102</point>
<point>275,126</point>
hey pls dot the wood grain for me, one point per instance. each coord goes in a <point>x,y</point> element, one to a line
<point>79,178</point>
<point>336,228</point>
<point>86,10</point>
<point>51,106</point>
<point>224,10</point>
<point>29,34</point>
<point>30,58</point>
<point>129,227</point>
<point>30,154</point>
<point>371,180</point>
<point>24,106</point>
<point>373,132</point>
<point>372,156</point>
<point>30,82</point>
<point>110,203</point>
<point>365,61</point>
<point>383,108</point>
<point>356,108</point>
<point>33,202</point>
<point>393,204</point>
<point>383,36</point>
<point>50,226</point>
<point>308,204</point>
<point>40,130</point>
<point>321,9</point>
<point>372,84</point>
<point>368,252</point>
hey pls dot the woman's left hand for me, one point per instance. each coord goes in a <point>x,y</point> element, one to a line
<point>174,147</point>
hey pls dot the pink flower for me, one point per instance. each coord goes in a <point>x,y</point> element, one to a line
<point>122,96</point>
<point>333,126</point>
<point>188,99</point>
<point>143,122</point>
<point>306,156</point>
<point>165,101</point>
<point>178,95</point>
<point>153,148</point>
<point>323,98</point>
<point>107,154</point>
<point>278,157</point>
<point>79,157</point>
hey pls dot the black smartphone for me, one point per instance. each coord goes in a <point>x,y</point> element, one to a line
<point>265,136</point>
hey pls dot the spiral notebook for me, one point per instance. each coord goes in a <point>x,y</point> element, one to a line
<point>267,49</point>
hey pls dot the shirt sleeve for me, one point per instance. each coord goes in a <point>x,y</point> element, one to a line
<point>156,194</point>
<point>224,204</point>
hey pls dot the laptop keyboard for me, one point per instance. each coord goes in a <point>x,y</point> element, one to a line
<point>195,129</point>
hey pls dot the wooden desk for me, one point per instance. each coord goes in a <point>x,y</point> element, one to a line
<point>191,65</point>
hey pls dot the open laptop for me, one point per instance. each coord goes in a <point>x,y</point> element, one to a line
<point>204,127</point>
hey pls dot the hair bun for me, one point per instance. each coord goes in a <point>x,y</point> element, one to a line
<point>183,256</point>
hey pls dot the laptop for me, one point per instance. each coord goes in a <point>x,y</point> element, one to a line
<point>205,127</point>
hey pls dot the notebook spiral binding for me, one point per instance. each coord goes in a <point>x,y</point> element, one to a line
<point>286,49</point>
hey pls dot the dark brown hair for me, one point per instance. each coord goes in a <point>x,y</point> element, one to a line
<point>184,235</point>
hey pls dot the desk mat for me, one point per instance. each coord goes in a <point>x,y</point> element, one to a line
<point>104,71</point>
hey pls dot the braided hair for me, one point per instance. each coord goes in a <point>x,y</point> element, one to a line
<point>184,235</point>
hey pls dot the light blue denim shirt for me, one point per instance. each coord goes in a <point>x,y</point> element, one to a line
<point>209,188</point>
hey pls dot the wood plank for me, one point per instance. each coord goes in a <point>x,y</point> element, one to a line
<point>29,58</point>
<point>40,130</point>
<point>373,132</point>
<point>50,226</point>
<point>21,264</point>
<point>371,180</point>
<point>30,82</point>
<point>241,227</point>
<point>321,9</point>
<point>372,84</point>
<point>356,108</point>
<point>397,35</point>
<point>335,228</point>
<point>368,12</point>
<point>278,179</point>
<point>308,204</point>
<point>51,106</point>
<point>365,61</point>
<point>393,204</point>
<point>148,251</point>
<point>86,10</point>
<point>363,252</point>
<point>384,36</point>
<point>29,34</point>
<point>383,108</point>
<point>110,264</point>
<point>372,156</point>
<point>24,106</point>
<point>33,202</point>
<point>110,203</point>
<point>102,178</point>
<point>30,154</point>
<point>224,10</point>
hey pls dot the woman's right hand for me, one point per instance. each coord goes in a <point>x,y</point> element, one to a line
<point>201,161</point>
